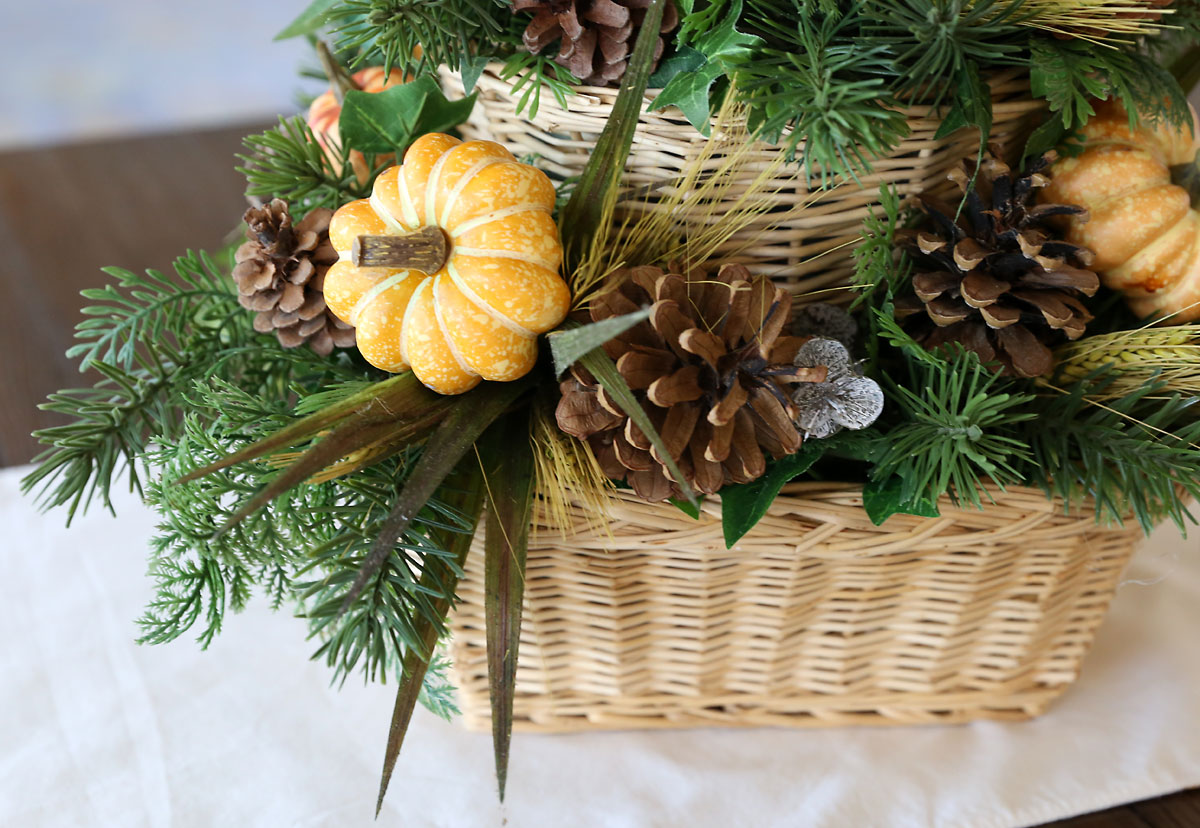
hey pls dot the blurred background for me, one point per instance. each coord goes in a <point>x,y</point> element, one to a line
<point>123,66</point>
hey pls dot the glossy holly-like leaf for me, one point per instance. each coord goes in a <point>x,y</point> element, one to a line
<point>390,120</point>
<point>971,107</point>
<point>470,69</point>
<point>689,91</point>
<point>743,505</point>
<point>684,59</point>
<point>884,498</point>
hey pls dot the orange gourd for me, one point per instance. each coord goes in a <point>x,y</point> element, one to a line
<point>1142,228</point>
<point>479,315</point>
<point>326,109</point>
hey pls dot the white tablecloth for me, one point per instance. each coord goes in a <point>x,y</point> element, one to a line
<point>97,731</point>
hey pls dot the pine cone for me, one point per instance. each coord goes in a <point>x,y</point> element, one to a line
<point>710,368</point>
<point>280,272</point>
<point>1000,280</point>
<point>595,36</point>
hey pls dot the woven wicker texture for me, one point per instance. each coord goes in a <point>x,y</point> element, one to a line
<point>817,617</point>
<point>785,246</point>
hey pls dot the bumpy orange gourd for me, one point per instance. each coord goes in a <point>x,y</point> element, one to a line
<point>326,109</point>
<point>1143,229</point>
<point>478,317</point>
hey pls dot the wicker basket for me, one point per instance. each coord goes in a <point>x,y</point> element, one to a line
<point>817,617</point>
<point>787,248</point>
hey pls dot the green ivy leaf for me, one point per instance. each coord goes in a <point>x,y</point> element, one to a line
<point>470,69</point>
<point>309,20</point>
<point>390,120</point>
<point>744,505</point>
<point>692,510</point>
<point>1046,137</point>
<point>690,92</point>
<point>884,498</point>
<point>685,59</point>
<point>723,42</point>
<point>972,106</point>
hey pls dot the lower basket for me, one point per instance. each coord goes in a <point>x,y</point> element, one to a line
<point>817,617</point>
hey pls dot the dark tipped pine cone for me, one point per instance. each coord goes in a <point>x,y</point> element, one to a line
<point>999,279</point>
<point>595,37</point>
<point>280,273</point>
<point>710,367</point>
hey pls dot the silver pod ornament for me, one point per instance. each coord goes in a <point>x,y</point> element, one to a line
<point>846,399</point>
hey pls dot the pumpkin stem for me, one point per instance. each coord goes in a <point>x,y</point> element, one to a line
<point>340,81</point>
<point>425,250</point>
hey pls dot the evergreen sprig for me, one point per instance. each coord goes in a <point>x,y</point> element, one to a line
<point>934,42</point>
<point>832,76</point>
<point>1070,74</point>
<point>820,87</point>
<point>379,624</point>
<point>959,429</point>
<point>149,337</point>
<point>287,162</point>
<point>417,35</point>
<point>1136,453</point>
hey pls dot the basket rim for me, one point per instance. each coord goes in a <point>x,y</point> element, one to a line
<point>998,80</point>
<point>1004,514</point>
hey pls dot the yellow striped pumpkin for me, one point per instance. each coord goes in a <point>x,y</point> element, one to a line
<point>1143,228</point>
<point>479,315</point>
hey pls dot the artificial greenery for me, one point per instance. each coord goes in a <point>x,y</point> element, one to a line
<point>287,162</point>
<point>416,35</point>
<point>352,498</point>
<point>955,426</point>
<point>828,79</point>
<point>421,36</point>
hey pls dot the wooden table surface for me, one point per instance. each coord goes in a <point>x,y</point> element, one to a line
<point>138,203</point>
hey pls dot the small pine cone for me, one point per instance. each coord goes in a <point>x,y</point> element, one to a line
<point>827,321</point>
<point>595,37</point>
<point>999,280</point>
<point>711,369</point>
<point>280,272</point>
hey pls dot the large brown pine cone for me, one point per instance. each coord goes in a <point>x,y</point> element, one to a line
<point>999,279</point>
<point>710,367</point>
<point>280,273</point>
<point>595,37</point>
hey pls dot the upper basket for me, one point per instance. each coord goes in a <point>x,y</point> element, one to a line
<point>804,250</point>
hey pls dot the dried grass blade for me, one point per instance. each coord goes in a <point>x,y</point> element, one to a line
<point>596,192</point>
<point>468,499</point>
<point>471,414</point>
<point>506,456</point>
